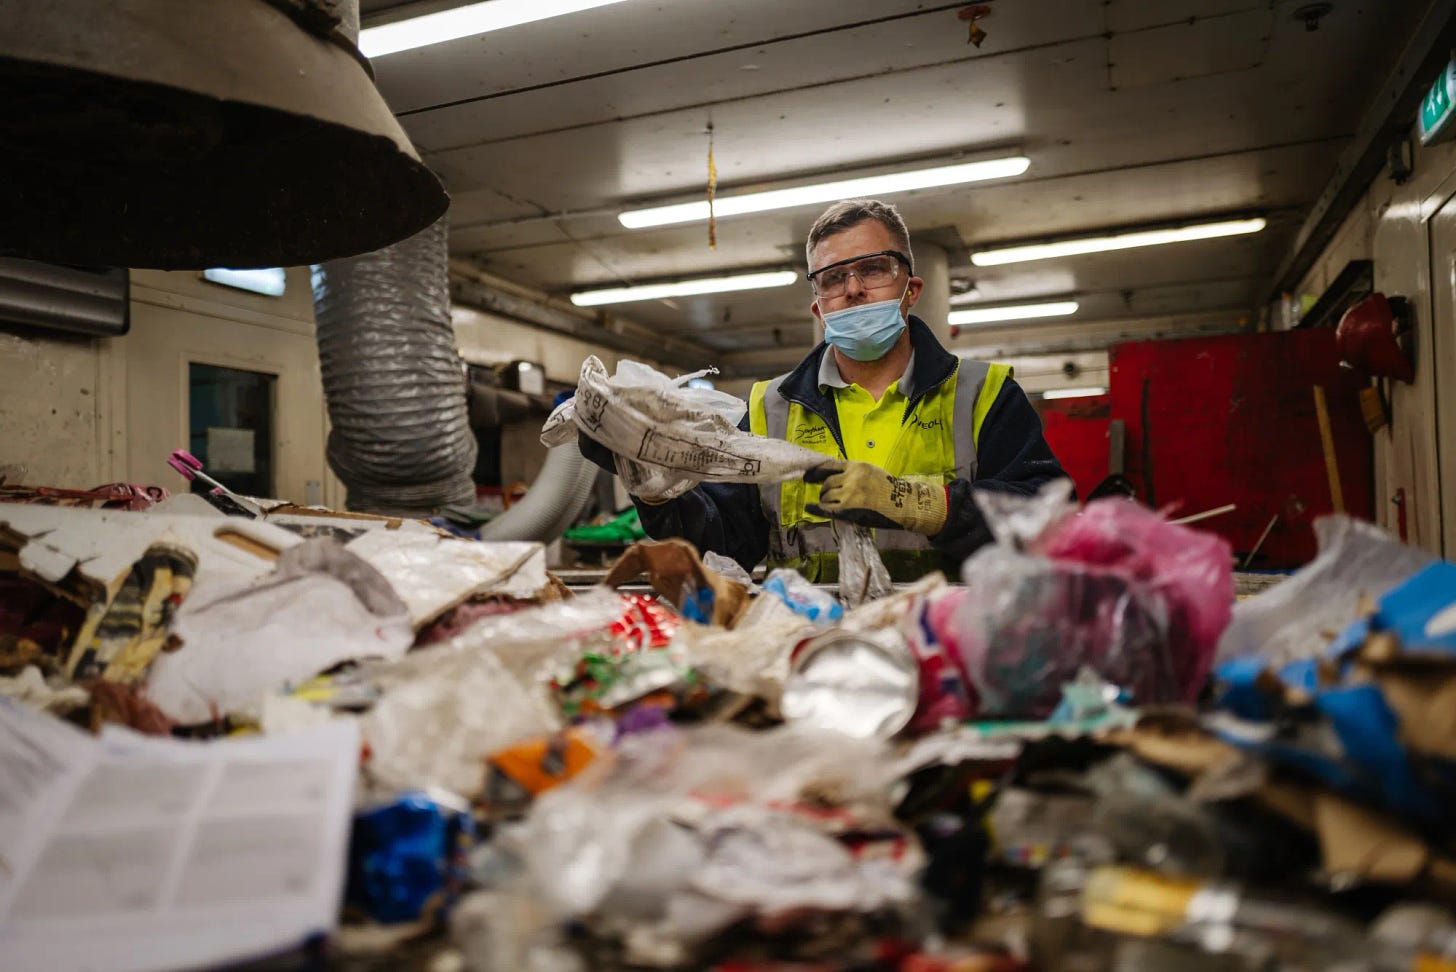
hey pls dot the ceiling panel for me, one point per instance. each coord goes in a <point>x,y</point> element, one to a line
<point>1131,112</point>
<point>623,36</point>
<point>985,214</point>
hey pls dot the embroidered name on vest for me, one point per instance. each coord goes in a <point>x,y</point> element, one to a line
<point>811,434</point>
<point>934,423</point>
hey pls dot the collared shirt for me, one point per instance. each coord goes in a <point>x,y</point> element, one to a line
<point>869,427</point>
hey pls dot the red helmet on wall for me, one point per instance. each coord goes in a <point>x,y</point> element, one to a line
<point>1366,340</point>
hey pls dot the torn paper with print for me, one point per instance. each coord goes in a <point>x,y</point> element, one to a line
<point>668,437</point>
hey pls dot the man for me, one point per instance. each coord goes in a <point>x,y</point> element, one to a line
<point>908,430</point>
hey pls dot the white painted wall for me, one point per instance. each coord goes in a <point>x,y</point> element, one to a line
<point>78,412</point>
<point>50,412</point>
<point>1392,225</point>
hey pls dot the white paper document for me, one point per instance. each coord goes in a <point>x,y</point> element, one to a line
<point>130,852</point>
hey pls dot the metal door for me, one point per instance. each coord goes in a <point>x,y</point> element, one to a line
<point>1435,352</point>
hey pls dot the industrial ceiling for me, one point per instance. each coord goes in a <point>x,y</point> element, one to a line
<point>1132,113</point>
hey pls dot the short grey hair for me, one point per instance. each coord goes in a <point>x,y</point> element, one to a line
<point>851,212</point>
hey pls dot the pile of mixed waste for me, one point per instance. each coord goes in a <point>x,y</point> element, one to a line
<point>361,739</point>
<point>300,738</point>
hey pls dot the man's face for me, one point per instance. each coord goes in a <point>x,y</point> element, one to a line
<point>862,238</point>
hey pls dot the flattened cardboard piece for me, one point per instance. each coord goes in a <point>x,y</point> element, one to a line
<point>1360,842</point>
<point>1355,840</point>
<point>1424,699</point>
<point>672,567</point>
<point>1186,749</point>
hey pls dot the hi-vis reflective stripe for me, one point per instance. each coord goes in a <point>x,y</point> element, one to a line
<point>962,401</point>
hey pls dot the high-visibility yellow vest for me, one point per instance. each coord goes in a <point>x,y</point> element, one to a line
<point>926,448</point>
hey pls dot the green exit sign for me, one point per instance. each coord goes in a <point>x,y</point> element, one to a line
<point>1438,107</point>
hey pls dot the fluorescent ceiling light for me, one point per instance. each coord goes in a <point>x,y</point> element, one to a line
<point>1015,312</point>
<point>466,21</point>
<point>1121,241</point>
<point>270,281</point>
<point>1088,392</point>
<point>685,288</point>
<point>880,185</point>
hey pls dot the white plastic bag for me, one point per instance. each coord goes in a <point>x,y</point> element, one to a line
<point>1295,618</point>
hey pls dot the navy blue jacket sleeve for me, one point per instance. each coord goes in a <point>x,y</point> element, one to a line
<point>1012,456</point>
<point>723,517</point>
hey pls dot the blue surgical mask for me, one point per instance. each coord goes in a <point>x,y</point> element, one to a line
<point>866,331</point>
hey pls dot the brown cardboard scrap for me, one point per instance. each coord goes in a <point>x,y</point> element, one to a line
<point>671,567</point>
<point>1184,748</point>
<point>1356,840</point>
<point>1360,842</point>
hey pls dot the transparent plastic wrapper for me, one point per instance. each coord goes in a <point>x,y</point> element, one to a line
<point>1294,619</point>
<point>532,644</point>
<point>729,568</point>
<point>509,931</point>
<point>668,437</point>
<point>438,727</point>
<point>1115,588</point>
<point>446,708</point>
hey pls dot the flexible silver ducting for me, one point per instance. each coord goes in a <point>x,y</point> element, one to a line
<point>557,497</point>
<point>395,384</point>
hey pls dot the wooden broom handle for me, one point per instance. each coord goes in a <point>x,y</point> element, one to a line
<point>1327,442</point>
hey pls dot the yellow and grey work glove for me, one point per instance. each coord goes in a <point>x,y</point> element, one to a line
<point>863,493</point>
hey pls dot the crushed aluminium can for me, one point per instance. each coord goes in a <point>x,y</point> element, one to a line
<point>862,683</point>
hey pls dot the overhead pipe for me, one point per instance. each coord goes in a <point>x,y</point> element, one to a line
<point>559,495</point>
<point>394,382</point>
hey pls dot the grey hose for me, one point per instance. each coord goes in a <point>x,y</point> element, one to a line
<point>561,491</point>
<point>400,437</point>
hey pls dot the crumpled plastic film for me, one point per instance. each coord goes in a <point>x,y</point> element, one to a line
<point>1017,521</point>
<point>1294,619</point>
<point>775,863</point>
<point>530,643</point>
<point>667,437</point>
<point>612,837</point>
<point>729,568</point>
<point>1027,625</point>
<point>436,729</point>
<point>862,574</point>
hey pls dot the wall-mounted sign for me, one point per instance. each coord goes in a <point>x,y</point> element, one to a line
<point>1438,107</point>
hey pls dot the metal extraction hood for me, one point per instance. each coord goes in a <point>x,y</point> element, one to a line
<point>175,134</point>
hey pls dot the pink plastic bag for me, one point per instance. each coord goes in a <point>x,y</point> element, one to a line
<point>1190,570</point>
<point>1114,588</point>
